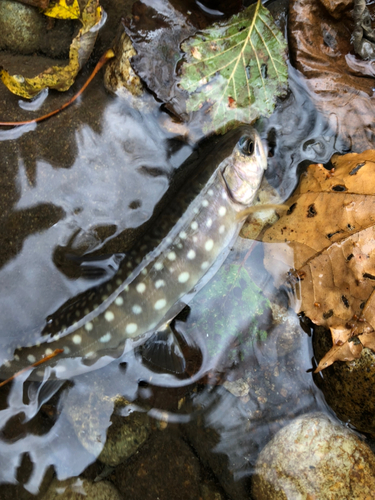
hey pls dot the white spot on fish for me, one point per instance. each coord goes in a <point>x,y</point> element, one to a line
<point>106,338</point>
<point>209,245</point>
<point>195,239</point>
<point>158,266</point>
<point>194,225</point>
<point>221,229</point>
<point>209,222</point>
<point>104,297</point>
<point>183,235</point>
<point>89,326</point>
<point>31,358</point>
<point>224,195</point>
<point>171,256</point>
<point>7,363</point>
<point>222,211</point>
<point>179,245</point>
<point>90,354</point>
<point>210,192</point>
<point>191,255</point>
<point>129,264</point>
<point>159,283</point>
<point>77,339</point>
<point>131,328</point>
<point>48,351</point>
<point>183,277</point>
<point>141,287</point>
<point>204,266</point>
<point>109,316</point>
<point>86,311</point>
<point>159,304</point>
<point>16,357</point>
<point>118,282</point>
<point>137,309</point>
<point>119,301</point>
<point>204,203</point>
<point>144,272</point>
<point>196,210</point>
<point>66,350</point>
<point>126,288</point>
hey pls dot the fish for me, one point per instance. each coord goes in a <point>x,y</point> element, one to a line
<point>128,309</point>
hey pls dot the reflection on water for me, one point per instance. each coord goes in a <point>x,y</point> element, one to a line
<point>86,182</point>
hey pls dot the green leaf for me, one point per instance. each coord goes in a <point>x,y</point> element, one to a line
<point>228,308</point>
<point>234,70</point>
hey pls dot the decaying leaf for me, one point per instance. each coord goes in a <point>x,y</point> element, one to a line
<point>234,70</point>
<point>339,82</point>
<point>326,243</point>
<point>61,77</point>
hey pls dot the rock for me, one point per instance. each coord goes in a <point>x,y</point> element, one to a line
<point>124,437</point>
<point>21,27</point>
<point>348,386</point>
<point>119,75</point>
<point>165,468</point>
<point>313,458</point>
<point>24,30</point>
<point>78,489</point>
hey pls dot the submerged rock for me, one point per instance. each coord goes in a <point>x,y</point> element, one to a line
<point>25,30</point>
<point>124,437</point>
<point>77,489</point>
<point>313,458</point>
<point>165,468</point>
<point>348,385</point>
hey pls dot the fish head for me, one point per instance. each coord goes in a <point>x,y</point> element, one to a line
<point>243,170</point>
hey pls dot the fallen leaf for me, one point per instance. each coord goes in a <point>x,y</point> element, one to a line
<point>230,72</point>
<point>338,81</point>
<point>61,77</point>
<point>234,70</point>
<point>326,243</point>
<point>60,9</point>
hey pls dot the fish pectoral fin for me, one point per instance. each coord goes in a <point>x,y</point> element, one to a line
<point>163,350</point>
<point>260,208</point>
<point>93,267</point>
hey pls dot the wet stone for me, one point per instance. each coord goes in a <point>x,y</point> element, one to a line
<point>124,437</point>
<point>348,387</point>
<point>316,459</point>
<point>164,468</point>
<point>119,76</point>
<point>77,489</point>
<point>24,30</point>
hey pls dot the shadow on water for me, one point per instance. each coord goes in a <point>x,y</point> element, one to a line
<point>88,184</point>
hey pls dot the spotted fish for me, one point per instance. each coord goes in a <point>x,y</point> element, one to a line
<point>133,308</point>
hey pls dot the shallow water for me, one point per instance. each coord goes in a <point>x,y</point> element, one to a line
<point>90,182</point>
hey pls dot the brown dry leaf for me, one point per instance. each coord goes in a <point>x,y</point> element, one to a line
<point>340,83</point>
<point>328,234</point>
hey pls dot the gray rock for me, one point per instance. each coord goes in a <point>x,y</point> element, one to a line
<point>21,27</point>
<point>24,30</point>
<point>313,458</point>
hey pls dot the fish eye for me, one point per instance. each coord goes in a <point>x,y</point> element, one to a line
<point>247,145</point>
